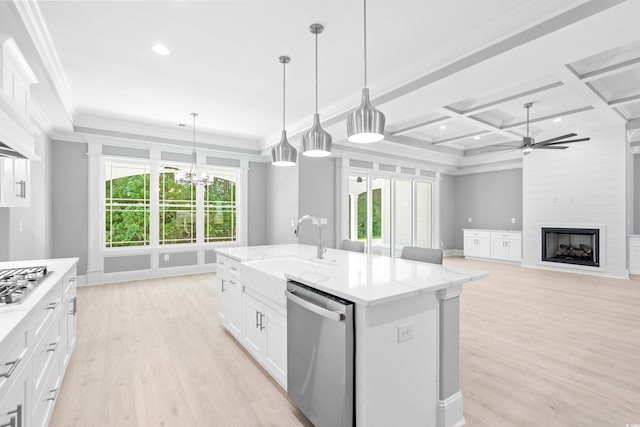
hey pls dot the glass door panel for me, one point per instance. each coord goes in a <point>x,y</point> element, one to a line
<point>381,216</point>
<point>357,208</point>
<point>404,212</point>
<point>424,214</point>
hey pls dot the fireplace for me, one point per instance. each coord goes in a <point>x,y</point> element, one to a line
<point>580,246</point>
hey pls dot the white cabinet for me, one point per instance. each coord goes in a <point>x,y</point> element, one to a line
<point>506,246</point>
<point>266,336</point>
<point>493,244</point>
<point>15,403</point>
<point>634,254</point>
<point>14,182</point>
<point>229,296</point>
<point>477,243</point>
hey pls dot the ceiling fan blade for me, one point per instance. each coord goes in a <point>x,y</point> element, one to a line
<point>557,138</point>
<point>551,147</point>
<point>540,144</point>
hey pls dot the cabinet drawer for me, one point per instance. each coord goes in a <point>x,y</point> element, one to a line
<point>43,404</point>
<point>503,235</point>
<point>233,267</point>
<point>47,309</point>
<point>46,353</point>
<point>222,262</point>
<point>13,358</point>
<point>477,234</point>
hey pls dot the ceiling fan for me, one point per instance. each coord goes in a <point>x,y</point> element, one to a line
<point>529,143</point>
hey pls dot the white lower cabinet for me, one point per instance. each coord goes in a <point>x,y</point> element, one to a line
<point>499,245</point>
<point>230,303</point>
<point>266,336</point>
<point>477,244</point>
<point>33,357</point>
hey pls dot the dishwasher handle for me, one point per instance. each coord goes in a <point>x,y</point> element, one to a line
<point>333,315</point>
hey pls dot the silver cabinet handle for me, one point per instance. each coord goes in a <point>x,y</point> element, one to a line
<point>11,423</point>
<point>333,315</point>
<point>54,394</point>
<point>52,306</point>
<point>233,269</point>
<point>18,412</point>
<point>262,327</point>
<point>23,189</point>
<point>13,367</point>
<point>222,289</point>
<point>74,302</point>
<point>257,321</point>
<point>54,345</point>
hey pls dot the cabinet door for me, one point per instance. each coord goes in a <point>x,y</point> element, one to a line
<point>484,248</point>
<point>21,180</point>
<point>470,248</point>
<point>71,302</point>
<point>233,296</point>
<point>7,196</point>
<point>276,346</point>
<point>513,250</point>
<point>222,287</point>
<point>254,337</point>
<point>15,403</point>
<point>498,248</point>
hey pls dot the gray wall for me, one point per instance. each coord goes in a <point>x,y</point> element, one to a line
<point>257,192</point>
<point>448,212</point>
<point>281,204</point>
<point>491,199</point>
<point>70,193</point>
<point>316,196</point>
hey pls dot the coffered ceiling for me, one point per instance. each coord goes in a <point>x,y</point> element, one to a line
<point>451,77</point>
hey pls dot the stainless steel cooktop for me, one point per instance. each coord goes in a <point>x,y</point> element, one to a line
<point>17,283</point>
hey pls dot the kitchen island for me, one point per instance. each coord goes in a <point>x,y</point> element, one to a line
<point>406,324</point>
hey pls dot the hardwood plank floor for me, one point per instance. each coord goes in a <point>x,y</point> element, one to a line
<point>538,348</point>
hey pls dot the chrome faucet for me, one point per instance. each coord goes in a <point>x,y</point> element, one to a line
<point>314,221</point>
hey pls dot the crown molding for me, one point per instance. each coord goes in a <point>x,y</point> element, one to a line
<point>36,27</point>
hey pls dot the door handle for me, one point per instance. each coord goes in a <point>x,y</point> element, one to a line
<point>222,286</point>
<point>261,324</point>
<point>74,309</point>
<point>257,321</point>
<point>333,315</point>
<point>14,365</point>
<point>18,412</point>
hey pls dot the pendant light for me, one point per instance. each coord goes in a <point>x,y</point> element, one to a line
<point>192,177</point>
<point>284,154</point>
<point>366,124</point>
<point>316,142</point>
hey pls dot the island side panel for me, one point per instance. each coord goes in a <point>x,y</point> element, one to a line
<point>396,382</point>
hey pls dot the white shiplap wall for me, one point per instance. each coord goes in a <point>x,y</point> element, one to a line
<point>583,186</point>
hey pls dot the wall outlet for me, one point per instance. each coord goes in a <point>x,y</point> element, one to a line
<point>513,220</point>
<point>405,331</point>
<point>323,221</point>
<point>470,219</point>
<point>166,257</point>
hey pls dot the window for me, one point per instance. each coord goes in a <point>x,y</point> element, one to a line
<point>220,209</point>
<point>172,214</point>
<point>126,205</point>
<point>177,205</point>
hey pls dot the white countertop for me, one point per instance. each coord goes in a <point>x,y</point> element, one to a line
<point>12,315</point>
<point>493,230</point>
<point>361,278</point>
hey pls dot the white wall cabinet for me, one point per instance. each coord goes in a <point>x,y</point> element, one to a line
<point>15,188</point>
<point>35,355</point>
<point>493,244</point>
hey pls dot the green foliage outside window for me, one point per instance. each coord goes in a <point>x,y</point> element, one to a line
<point>177,210</point>
<point>376,207</point>
<point>220,211</point>
<point>127,211</point>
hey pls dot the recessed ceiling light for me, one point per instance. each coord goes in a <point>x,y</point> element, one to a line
<point>557,120</point>
<point>443,127</point>
<point>476,137</point>
<point>160,49</point>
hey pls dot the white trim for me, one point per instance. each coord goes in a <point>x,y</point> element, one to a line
<point>452,252</point>
<point>126,276</point>
<point>449,412</point>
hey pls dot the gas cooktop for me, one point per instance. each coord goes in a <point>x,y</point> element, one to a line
<point>17,283</point>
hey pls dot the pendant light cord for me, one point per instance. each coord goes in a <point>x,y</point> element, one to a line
<point>365,43</point>
<point>528,121</point>
<point>316,73</point>
<point>284,83</point>
<point>193,154</point>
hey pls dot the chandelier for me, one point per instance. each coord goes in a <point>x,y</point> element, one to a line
<point>192,176</point>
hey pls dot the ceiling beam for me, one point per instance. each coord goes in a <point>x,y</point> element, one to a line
<point>418,143</point>
<point>609,70</point>
<point>461,137</point>
<point>481,123</point>
<point>490,105</point>
<point>548,117</point>
<point>624,101</point>
<point>421,124</point>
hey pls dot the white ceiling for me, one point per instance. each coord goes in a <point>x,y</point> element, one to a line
<point>463,64</point>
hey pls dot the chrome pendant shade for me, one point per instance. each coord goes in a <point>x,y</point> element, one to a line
<point>192,176</point>
<point>365,124</point>
<point>284,154</point>
<point>316,142</point>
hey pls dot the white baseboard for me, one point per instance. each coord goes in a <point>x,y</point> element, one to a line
<point>450,412</point>
<point>545,266</point>
<point>100,278</point>
<point>453,252</point>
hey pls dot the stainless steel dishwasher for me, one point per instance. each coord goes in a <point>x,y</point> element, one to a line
<point>320,355</point>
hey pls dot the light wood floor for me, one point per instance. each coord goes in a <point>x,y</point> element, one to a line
<point>538,348</point>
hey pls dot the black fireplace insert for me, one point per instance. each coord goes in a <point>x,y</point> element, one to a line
<point>580,246</point>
